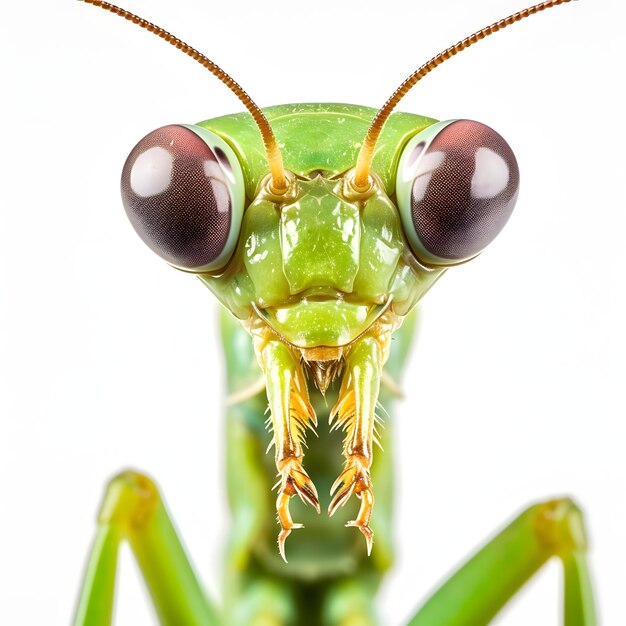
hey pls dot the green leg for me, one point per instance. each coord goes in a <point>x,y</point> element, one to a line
<point>578,604</point>
<point>133,510</point>
<point>481,587</point>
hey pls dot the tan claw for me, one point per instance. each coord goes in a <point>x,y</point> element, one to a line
<point>355,478</point>
<point>294,480</point>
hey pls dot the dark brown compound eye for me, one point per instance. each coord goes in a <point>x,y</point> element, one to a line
<point>457,185</point>
<point>182,189</point>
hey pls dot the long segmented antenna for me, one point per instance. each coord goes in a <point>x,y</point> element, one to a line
<point>361,181</point>
<point>279,182</point>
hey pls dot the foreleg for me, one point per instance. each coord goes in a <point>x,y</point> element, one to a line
<point>355,412</point>
<point>291,413</point>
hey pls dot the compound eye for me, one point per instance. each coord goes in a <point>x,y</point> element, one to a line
<point>456,186</point>
<point>183,191</point>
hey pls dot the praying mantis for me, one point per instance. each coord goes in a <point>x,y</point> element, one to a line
<point>319,341</point>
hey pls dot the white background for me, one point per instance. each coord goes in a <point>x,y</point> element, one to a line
<point>109,358</point>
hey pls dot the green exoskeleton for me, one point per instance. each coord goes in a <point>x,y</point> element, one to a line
<point>319,235</point>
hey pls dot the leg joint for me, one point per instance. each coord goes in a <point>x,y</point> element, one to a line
<point>130,501</point>
<point>560,527</point>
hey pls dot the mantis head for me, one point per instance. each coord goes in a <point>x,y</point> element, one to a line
<point>321,263</point>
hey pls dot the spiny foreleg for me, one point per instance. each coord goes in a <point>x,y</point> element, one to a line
<point>355,414</point>
<point>291,414</point>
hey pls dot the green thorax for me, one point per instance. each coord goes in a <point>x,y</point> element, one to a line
<point>317,137</point>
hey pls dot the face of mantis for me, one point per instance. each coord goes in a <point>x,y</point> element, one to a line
<point>320,275</point>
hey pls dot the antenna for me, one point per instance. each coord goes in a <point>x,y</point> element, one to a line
<point>279,184</point>
<point>361,181</point>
